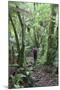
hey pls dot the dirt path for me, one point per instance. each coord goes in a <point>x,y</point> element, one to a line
<point>42,78</point>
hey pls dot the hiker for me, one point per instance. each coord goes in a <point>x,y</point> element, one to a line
<point>35,55</point>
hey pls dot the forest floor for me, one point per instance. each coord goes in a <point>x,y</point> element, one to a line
<point>43,78</point>
<point>43,75</point>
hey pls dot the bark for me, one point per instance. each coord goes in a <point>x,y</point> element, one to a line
<point>51,47</point>
<point>16,37</point>
<point>23,38</point>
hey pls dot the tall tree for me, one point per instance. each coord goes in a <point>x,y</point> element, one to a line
<point>51,39</point>
<point>23,38</point>
<point>16,36</point>
<point>36,42</point>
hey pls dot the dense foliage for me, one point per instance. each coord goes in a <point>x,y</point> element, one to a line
<point>32,25</point>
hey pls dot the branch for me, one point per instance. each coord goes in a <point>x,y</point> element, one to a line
<point>19,10</point>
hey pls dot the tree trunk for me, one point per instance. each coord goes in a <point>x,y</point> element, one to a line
<point>36,43</point>
<point>16,37</point>
<point>23,38</point>
<point>51,46</point>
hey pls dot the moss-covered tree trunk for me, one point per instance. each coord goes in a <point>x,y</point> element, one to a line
<point>16,37</point>
<point>23,38</point>
<point>51,39</point>
<point>36,42</point>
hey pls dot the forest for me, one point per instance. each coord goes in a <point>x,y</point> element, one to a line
<point>33,44</point>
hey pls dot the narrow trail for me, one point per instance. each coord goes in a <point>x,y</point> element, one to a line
<point>41,77</point>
